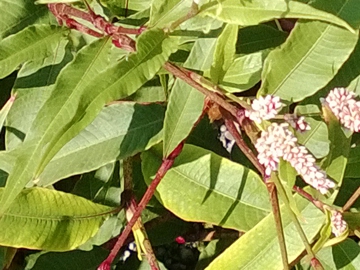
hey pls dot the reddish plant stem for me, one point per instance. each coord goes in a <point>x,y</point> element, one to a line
<point>214,96</point>
<point>165,166</point>
<point>309,197</point>
<point>278,223</point>
<point>241,143</point>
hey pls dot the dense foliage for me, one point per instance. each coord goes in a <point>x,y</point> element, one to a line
<point>105,101</point>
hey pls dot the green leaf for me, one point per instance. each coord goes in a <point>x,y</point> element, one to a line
<point>224,53</point>
<point>336,161</point>
<point>204,187</point>
<point>50,220</point>
<point>17,14</point>
<point>259,37</point>
<point>259,247</point>
<point>5,110</point>
<point>32,43</point>
<point>184,109</point>
<point>345,255</point>
<point>315,140</point>
<point>244,72</point>
<point>71,260</point>
<point>119,131</point>
<point>33,86</point>
<point>85,86</point>
<point>201,55</point>
<point>211,251</point>
<point>308,60</point>
<point>163,13</point>
<point>256,11</point>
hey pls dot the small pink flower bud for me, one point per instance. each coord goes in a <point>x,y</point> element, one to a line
<point>264,108</point>
<point>297,122</point>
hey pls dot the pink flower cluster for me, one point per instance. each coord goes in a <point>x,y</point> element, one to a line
<point>344,106</point>
<point>264,108</point>
<point>338,225</point>
<point>279,142</point>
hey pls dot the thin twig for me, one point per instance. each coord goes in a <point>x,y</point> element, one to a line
<point>352,200</point>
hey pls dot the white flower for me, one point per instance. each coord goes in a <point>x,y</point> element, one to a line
<point>278,142</point>
<point>226,138</point>
<point>343,105</point>
<point>338,225</point>
<point>264,108</point>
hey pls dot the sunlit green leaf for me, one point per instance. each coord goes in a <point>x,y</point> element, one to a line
<point>32,43</point>
<point>259,247</point>
<point>256,11</point>
<point>50,220</point>
<point>224,52</point>
<point>18,14</point>
<point>163,13</point>
<point>65,114</point>
<point>202,186</point>
<point>308,60</point>
<point>244,72</point>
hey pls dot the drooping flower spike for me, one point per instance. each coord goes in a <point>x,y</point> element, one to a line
<point>343,105</point>
<point>279,142</point>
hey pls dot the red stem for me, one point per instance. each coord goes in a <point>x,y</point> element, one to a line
<point>165,166</point>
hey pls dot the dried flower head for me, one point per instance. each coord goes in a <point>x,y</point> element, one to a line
<point>264,108</point>
<point>338,225</point>
<point>278,142</point>
<point>343,105</point>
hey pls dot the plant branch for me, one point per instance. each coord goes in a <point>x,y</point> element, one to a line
<point>296,222</point>
<point>278,223</point>
<point>351,201</point>
<point>241,143</point>
<point>165,166</point>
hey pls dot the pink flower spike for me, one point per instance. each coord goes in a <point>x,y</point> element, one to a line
<point>343,105</point>
<point>264,108</point>
<point>278,142</point>
<point>338,225</point>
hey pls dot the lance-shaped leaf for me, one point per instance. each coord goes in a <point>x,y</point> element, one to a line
<point>308,60</point>
<point>17,14</point>
<point>201,54</point>
<point>184,109</point>
<point>259,247</point>
<point>33,86</point>
<point>5,110</point>
<point>224,52</point>
<point>119,131</point>
<point>50,220</point>
<point>204,187</point>
<point>163,13</point>
<point>244,72</point>
<point>81,91</point>
<point>32,43</point>
<point>256,11</point>
<point>316,139</point>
